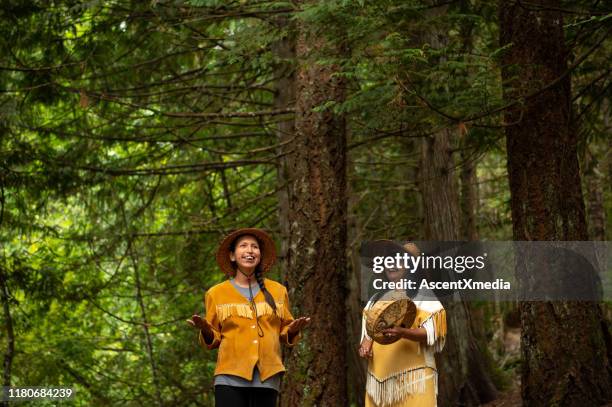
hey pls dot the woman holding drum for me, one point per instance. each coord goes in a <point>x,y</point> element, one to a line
<point>399,337</point>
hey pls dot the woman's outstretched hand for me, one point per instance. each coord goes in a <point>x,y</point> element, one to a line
<point>200,323</point>
<point>298,324</point>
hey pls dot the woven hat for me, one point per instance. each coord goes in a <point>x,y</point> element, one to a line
<point>412,249</point>
<point>266,247</point>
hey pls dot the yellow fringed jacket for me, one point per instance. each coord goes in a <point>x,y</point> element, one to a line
<point>404,373</point>
<point>235,330</point>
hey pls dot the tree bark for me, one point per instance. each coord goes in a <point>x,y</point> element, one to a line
<point>595,207</point>
<point>439,188</point>
<point>284,50</point>
<point>463,378</point>
<point>357,366</point>
<point>316,368</point>
<point>564,345</point>
<point>469,196</point>
<point>412,202</point>
<point>480,365</point>
<point>605,104</point>
<point>468,177</point>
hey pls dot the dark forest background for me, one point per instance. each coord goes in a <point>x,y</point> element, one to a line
<point>135,134</point>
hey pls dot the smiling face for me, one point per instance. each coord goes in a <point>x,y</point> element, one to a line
<point>395,274</point>
<point>246,253</point>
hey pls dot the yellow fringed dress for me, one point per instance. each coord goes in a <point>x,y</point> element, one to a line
<point>404,373</point>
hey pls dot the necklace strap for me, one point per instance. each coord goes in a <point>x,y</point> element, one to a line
<point>260,331</point>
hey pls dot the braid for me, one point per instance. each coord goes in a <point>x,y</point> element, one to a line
<point>264,290</point>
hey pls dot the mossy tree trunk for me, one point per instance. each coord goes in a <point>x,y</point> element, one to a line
<point>565,345</point>
<point>316,257</point>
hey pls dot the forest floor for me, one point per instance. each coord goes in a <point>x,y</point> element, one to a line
<point>510,397</point>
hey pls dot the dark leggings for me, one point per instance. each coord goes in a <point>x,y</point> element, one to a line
<point>234,396</point>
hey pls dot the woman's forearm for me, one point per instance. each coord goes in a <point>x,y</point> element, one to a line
<point>415,334</point>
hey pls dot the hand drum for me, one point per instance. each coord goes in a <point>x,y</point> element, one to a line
<point>393,309</point>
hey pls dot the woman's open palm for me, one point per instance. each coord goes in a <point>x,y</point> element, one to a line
<point>198,322</point>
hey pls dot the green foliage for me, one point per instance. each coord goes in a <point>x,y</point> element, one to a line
<point>132,138</point>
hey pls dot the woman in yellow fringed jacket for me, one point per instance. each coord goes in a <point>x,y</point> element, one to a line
<point>404,372</point>
<point>247,317</point>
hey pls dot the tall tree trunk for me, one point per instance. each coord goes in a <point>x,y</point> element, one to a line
<point>412,202</point>
<point>608,127</point>
<point>316,368</point>
<point>469,195</point>
<point>357,366</point>
<point>595,207</point>
<point>463,379</point>
<point>439,188</point>
<point>469,191</point>
<point>564,345</point>
<point>480,365</point>
<point>284,50</point>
